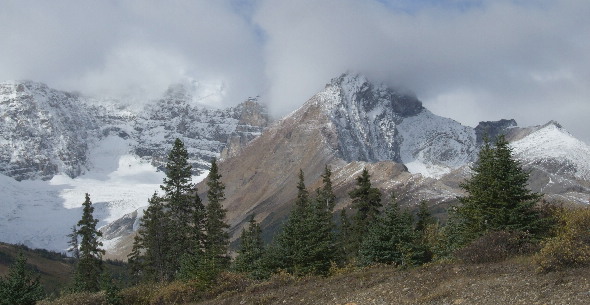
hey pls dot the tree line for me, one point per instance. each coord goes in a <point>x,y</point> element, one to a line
<point>181,238</point>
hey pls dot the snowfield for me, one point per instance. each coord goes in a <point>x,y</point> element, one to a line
<point>40,214</point>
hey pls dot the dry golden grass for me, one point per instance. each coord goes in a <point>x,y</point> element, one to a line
<point>510,282</point>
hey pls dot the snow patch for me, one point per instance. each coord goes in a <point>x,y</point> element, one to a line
<point>40,214</point>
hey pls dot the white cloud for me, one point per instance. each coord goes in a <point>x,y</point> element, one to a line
<point>471,60</point>
<point>503,59</point>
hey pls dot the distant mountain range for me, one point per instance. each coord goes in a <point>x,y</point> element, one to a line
<point>351,124</point>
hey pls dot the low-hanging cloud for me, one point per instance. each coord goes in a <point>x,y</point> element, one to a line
<point>483,61</point>
<point>129,48</point>
<point>470,60</point>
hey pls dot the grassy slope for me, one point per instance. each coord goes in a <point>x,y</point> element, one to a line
<point>55,271</point>
<point>512,282</point>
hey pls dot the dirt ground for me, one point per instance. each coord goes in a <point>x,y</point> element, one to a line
<point>513,282</point>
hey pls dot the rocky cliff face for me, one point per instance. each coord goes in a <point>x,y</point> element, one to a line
<point>206,132</point>
<point>45,131</point>
<point>353,124</point>
<point>375,123</point>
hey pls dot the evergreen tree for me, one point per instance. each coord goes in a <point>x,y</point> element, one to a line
<point>177,198</point>
<point>197,222</point>
<point>307,245</point>
<point>424,217</point>
<point>74,245</point>
<point>321,236</point>
<point>90,265</point>
<point>177,183</point>
<point>136,259</point>
<point>110,288</point>
<point>498,198</point>
<point>19,287</point>
<point>292,248</point>
<point>194,263</point>
<point>173,228</point>
<point>251,252</point>
<point>390,239</point>
<point>209,256</point>
<point>367,201</point>
<point>149,257</point>
<point>325,194</point>
<point>217,239</point>
<point>426,230</point>
<point>345,238</point>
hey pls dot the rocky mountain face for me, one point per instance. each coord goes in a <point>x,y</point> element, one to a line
<point>45,131</point>
<point>409,151</point>
<point>375,123</point>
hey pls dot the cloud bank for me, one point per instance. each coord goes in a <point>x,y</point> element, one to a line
<point>470,60</point>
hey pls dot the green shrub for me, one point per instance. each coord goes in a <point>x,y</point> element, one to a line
<point>496,246</point>
<point>140,294</point>
<point>570,247</point>
<point>228,282</point>
<point>178,292</point>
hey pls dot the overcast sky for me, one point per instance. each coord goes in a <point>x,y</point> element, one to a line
<point>470,60</point>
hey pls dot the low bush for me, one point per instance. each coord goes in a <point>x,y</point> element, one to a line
<point>496,246</point>
<point>570,247</point>
<point>178,292</point>
<point>229,282</point>
<point>140,294</point>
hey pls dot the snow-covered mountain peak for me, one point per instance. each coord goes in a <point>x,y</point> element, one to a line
<point>554,147</point>
<point>356,91</point>
<point>374,123</point>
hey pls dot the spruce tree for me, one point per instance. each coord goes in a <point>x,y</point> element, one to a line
<point>251,251</point>
<point>497,197</point>
<point>20,287</point>
<point>321,236</point>
<point>177,183</point>
<point>177,198</point>
<point>390,239</point>
<point>150,256</point>
<point>424,217</point>
<point>192,263</point>
<point>292,248</point>
<point>90,264</point>
<point>207,263</point>
<point>306,244</point>
<point>325,194</point>
<point>136,258</point>
<point>217,239</point>
<point>425,228</point>
<point>197,219</point>
<point>345,238</point>
<point>367,201</point>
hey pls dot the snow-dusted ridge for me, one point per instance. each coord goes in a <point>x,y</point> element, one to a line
<point>375,123</point>
<point>557,148</point>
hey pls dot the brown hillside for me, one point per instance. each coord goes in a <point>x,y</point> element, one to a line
<point>511,282</point>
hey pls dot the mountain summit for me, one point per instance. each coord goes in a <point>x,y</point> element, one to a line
<point>353,123</point>
<point>375,123</point>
